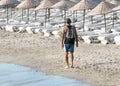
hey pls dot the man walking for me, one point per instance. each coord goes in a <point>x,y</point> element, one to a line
<point>69,38</point>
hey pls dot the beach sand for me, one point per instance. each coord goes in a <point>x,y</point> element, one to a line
<point>95,64</point>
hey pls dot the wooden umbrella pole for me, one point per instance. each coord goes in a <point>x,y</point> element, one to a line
<point>76,13</point>
<point>113,20</point>
<point>35,15</point>
<point>115,15</point>
<point>64,16</point>
<point>83,20</point>
<point>105,22</point>
<point>11,12</point>
<point>28,16</point>
<point>45,16</point>
<point>73,14</point>
<point>22,14</point>
<point>48,14</point>
<point>92,19</point>
<point>7,13</point>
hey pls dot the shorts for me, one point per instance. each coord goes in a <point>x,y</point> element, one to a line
<point>69,48</point>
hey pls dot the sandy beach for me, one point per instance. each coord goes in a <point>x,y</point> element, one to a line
<point>95,64</point>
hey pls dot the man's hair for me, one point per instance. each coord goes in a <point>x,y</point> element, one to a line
<point>68,20</point>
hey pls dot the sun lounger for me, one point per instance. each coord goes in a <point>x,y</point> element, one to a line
<point>11,28</point>
<point>117,40</point>
<point>57,33</point>
<point>102,39</point>
<point>86,39</point>
<point>106,39</point>
<point>29,29</point>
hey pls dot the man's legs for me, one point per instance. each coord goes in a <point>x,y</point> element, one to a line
<point>72,58</point>
<point>66,59</point>
<point>69,48</point>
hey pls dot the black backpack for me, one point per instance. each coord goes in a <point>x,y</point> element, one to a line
<point>69,35</point>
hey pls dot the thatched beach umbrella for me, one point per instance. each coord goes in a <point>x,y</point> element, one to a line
<point>115,2</point>
<point>63,5</point>
<point>55,1</point>
<point>114,10</point>
<point>76,1</point>
<point>101,9</point>
<point>8,3</point>
<point>38,2</point>
<point>82,5</point>
<point>27,4</point>
<point>45,4</point>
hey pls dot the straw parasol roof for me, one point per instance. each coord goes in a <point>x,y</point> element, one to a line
<point>94,3</point>
<point>63,4</point>
<point>76,1</point>
<point>8,2</point>
<point>45,4</point>
<point>83,4</point>
<point>115,2</point>
<point>27,4</point>
<point>55,1</point>
<point>38,1</point>
<point>116,8</point>
<point>100,9</point>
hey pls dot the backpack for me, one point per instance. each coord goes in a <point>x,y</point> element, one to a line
<point>69,35</point>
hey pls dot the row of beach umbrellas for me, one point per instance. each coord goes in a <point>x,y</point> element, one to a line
<point>72,5</point>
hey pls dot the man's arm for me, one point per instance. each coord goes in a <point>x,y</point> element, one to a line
<point>76,37</point>
<point>63,34</point>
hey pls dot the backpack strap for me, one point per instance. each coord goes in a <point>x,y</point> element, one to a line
<point>71,27</point>
<point>69,35</point>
